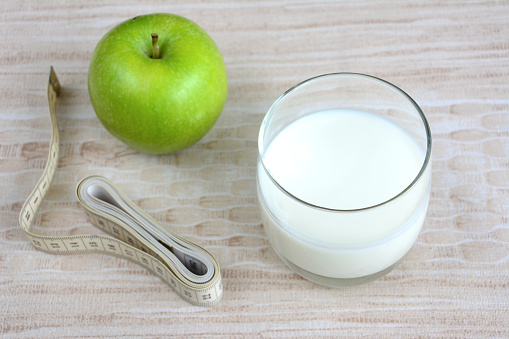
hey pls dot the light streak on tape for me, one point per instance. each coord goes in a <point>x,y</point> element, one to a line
<point>187,268</point>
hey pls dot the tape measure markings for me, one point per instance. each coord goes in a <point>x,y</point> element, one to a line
<point>191,271</point>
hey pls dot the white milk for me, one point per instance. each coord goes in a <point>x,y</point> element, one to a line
<point>343,160</point>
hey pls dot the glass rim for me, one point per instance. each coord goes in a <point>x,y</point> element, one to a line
<point>270,113</point>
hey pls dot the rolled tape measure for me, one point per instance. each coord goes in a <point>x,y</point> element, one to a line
<point>189,269</point>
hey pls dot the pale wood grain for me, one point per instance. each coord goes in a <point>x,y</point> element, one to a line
<point>451,57</point>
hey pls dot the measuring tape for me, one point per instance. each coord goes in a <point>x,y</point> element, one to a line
<point>189,269</point>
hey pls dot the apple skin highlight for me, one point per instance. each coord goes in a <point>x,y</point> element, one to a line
<point>157,105</point>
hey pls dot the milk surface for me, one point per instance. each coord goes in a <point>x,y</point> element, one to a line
<point>343,160</point>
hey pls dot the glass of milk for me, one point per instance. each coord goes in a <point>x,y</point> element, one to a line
<point>343,177</point>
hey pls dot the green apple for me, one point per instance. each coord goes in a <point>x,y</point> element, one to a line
<point>157,82</point>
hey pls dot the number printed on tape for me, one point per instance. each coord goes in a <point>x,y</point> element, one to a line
<point>197,280</point>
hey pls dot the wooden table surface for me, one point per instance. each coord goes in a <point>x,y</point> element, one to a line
<point>451,57</point>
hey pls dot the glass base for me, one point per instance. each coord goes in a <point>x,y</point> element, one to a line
<point>337,282</point>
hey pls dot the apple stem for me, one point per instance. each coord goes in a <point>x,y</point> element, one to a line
<point>155,46</point>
